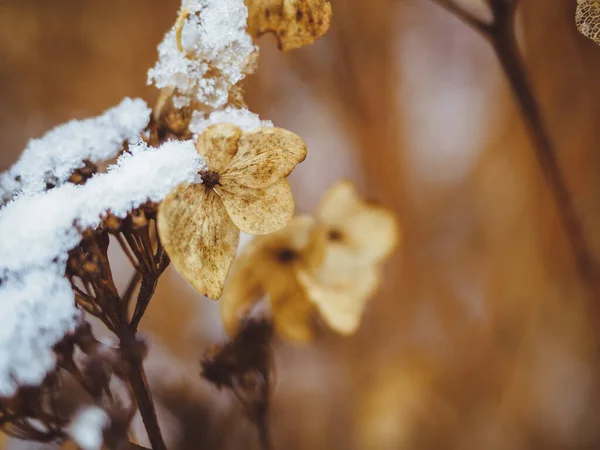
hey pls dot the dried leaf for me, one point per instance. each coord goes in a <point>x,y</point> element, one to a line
<point>295,23</point>
<point>264,156</point>
<point>218,144</point>
<point>199,237</point>
<point>358,233</point>
<point>587,19</point>
<point>258,211</point>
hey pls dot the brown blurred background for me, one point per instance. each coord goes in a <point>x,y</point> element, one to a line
<point>481,336</point>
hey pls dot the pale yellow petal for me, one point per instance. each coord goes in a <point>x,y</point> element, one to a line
<point>292,312</point>
<point>340,200</point>
<point>218,144</point>
<point>259,211</point>
<point>358,233</point>
<point>341,304</point>
<point>199,237</point>
<point>264,156</point>
<point>244,287</point>
<point>266,258</point>
<point>295,22</point>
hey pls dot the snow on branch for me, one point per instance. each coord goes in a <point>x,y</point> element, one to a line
<point>53,158</point>
<point>37,306</point>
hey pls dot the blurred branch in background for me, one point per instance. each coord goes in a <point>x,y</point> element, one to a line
<point>501,33</point>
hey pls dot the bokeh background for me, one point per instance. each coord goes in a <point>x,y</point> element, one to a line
<point>481,336</point>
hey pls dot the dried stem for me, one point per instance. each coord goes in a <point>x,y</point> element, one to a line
<point>126,297</point>
<point>139,384</point>
<point>264,437</point>
<point>501,34</point>
<point>147,289</point>
<point>464,15</point>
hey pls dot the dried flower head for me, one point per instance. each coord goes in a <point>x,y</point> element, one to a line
<point>587,19</point>
<point>270,265</point>
<point>329,266</point>
<point>358,233</point>
<point>358,236</point>
<point>243,188</point>
<point>295,23</point>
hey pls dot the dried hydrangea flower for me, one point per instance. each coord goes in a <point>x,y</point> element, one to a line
<point>243,188</point>
<point>587,19</point>
<point>358,233</point>
<point>295,23</point>
<point>269,265</point>
<point>358,237</point>
<point>328,266</point>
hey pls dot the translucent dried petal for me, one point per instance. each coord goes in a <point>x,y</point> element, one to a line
<point>199,237</point>
<point>261,266</point>
<point>295,22</point>
<point>292,311</point>
<point>358,233</point>
<point>245,286</point>
<point>341,304</point>
<point>587,19</point>
<point>218,144</point>
<point>258,211</point>
<point>263,157</point>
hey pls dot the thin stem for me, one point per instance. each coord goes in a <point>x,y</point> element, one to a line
<point>505,45</point>
<point>264,437</point>
<point>126,250</point>
<point>501,34</point>
<point>464,15</point>
<point>139,385</point>
<point>128,294</point>
<point>147,289</point>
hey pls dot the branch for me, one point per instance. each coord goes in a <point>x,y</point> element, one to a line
<point>137,380</point>
<point>501,34</point>
<point>147,288</point>
<point>470,19</point>
<point>126,297</point>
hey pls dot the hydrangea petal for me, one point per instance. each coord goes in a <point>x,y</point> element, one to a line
<point>199,237</point>
<point>264,156</point>
<point>259,211</point>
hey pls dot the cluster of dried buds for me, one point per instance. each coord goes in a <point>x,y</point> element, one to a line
<point>90,273</point>
<point>83,383</point>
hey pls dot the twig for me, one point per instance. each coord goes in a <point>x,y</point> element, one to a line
<point>126,297</point>
<point>464,15</point>
<point>501,34</point>
<point>147,289</point>
<point>137,380</point>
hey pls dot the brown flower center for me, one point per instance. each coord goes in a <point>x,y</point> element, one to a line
<point>287,255</point>
<point>335,235</point>
<point>210,178</point>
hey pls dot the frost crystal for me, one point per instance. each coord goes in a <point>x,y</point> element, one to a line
<point>217,53</point>
<point>36,232</point>
<point>243,118</point>
<point>53,158</point>
<point>87,428</point>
